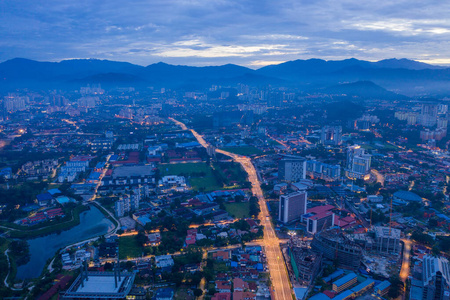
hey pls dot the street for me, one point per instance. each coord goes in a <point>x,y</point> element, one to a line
<point>277,269</point>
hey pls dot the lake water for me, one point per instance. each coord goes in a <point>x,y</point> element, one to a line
<point>92,224</point>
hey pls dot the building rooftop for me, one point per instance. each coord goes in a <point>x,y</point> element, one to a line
<point>101,285</point>
<point>345,279</point>
<point>383,285</point>
<point>128,171</point>
<point>320,296</point>
<point>320,209</point>
<point>343,295</point>
<point>363,285</point>
<point>334,275</point>
<point>407,196</point>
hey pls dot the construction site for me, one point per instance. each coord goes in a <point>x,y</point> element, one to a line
<point>335,246</point>
<point>100,285</point>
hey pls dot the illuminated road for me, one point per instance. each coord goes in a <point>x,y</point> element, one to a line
<point>275,261</point>
<point>378,175</point>
<point>94,196</point>
<point>404,272</point>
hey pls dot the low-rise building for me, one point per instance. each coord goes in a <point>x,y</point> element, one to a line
<point>382,288</point>
<point>344,282</point>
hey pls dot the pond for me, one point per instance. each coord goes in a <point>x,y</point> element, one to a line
<point>92,223</point>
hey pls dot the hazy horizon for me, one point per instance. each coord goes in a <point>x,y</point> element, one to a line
<point>225,63</point>
<point>248,33</point>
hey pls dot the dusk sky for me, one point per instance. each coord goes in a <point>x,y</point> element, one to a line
<point>213,32</point>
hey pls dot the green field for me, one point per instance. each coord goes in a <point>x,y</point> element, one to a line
<point>129,247</point>
<point>238,210</point>
<point>199,175</point>
<point>246,150</point>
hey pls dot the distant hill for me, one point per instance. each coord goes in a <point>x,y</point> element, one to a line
<point>362,89</point>
<point>401,76</point>
<point>404,63</point>
<point>343,110</point>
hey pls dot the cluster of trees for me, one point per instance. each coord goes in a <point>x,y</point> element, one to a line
<point>225,172</point>
<point>422,238</point>
<point>21,251</point>
<point>19,195</point>
<point>254,208</point>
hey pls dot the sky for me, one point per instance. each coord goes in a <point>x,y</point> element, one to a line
<point>252,33</point>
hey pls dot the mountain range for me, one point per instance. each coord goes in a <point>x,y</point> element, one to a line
<point>383,78</point>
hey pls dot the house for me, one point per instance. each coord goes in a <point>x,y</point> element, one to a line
<point>221,296</point>
<point>190,240</point>
<point>222,255</point>
<point>206,208</point>
<point>154,239</point>
<point>239,285</point>
<point>223,286</point>
<point>244,296</point>
<point>164,262</point>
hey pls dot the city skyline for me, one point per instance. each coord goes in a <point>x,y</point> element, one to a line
<point>246,33</point>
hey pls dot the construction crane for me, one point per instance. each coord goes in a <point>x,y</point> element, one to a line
<point>390,219</point>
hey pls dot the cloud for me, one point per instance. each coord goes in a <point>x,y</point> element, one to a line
<point>207,32</point>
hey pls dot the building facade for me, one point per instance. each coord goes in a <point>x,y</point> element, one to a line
<point>292,206</point>
<point>292,169</point>
<point>358,163</point>
<point>436,276</point>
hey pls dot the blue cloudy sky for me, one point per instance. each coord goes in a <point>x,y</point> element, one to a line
<point>211,32</point>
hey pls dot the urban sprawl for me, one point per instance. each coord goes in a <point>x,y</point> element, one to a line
<point>229,193</point>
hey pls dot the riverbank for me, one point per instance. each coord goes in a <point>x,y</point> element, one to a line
<point>92,224</point>
<point>109,216</point>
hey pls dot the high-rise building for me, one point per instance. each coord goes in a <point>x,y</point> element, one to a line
<point>127,203</point>
<point>292,168</point>
<point>119,208</point>
<point>322,170</point>
<point>436,278</point>
<point>292,206</point>
<point>13,103</point>
<point>428,114</point>
<point>331,135</point>
<point>358,163</point>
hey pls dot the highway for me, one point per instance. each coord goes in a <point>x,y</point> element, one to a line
<point>271,243</point>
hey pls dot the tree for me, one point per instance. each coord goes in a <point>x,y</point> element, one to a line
<point>435,251</point>
<point>141,238</point>
<point>198,292</point>
<point>396,287</point>
<point>422,238</point>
